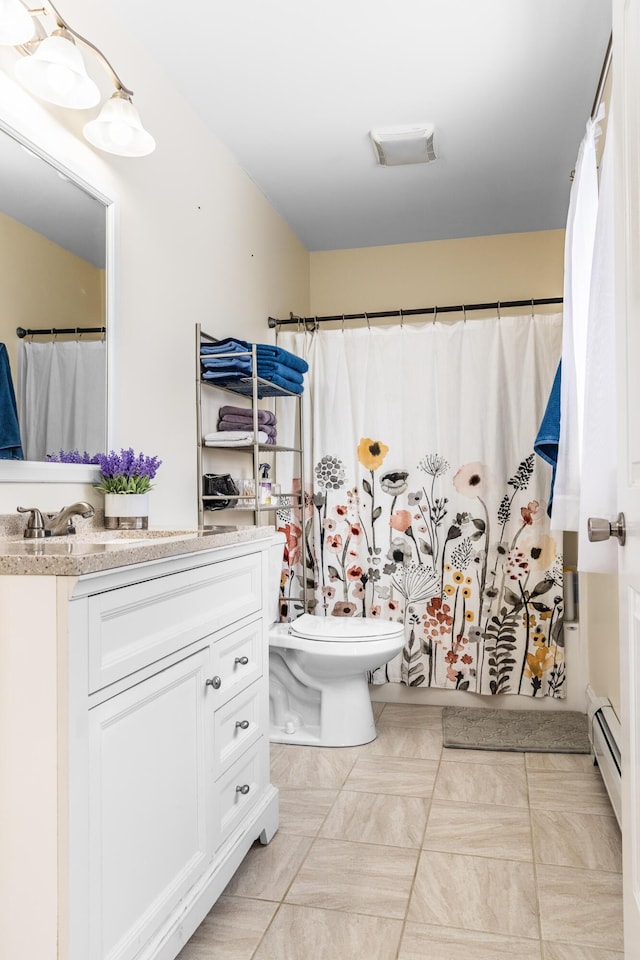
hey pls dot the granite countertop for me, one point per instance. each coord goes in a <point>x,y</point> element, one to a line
<point>92,550</point>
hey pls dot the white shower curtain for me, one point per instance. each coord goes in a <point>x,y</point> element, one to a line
<point>428,504</point>
<point>62,396</point>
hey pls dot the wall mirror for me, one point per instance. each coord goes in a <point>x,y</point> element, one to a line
<point>55,241</point>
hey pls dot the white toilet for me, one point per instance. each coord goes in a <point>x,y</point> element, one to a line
<point>318,691</point>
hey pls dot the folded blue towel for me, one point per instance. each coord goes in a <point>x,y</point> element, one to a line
<point>291,385</point>
<point>228,364</point>
<point>225,374</point>
<point>228,345</point>
<point>266,369</point>
<point>279,355</point>
<point>10,443</point>
<point>546,443</point>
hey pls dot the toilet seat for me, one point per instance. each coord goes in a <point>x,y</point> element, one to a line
<point>344,629</point>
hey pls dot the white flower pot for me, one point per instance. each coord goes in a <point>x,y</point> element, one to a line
<point>126,511</point>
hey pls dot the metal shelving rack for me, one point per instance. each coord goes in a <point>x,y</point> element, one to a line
<point>254,388</point>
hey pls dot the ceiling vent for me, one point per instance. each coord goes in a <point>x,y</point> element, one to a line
<point>395,146</point>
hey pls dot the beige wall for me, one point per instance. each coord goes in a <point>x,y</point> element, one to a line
<point>43,285</point>
<point>474,270</point>
<point>195,241</point>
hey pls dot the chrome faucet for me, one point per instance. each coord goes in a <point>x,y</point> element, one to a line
<point>58,524</point>
<point>61,524</point>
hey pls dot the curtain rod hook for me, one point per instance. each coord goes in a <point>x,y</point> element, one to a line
<point>435,314</point>
<point>343,322</point>
<point>401,318</point>
<point>464,311</point>
<point>532,313</point>
<point>366,316</point>
<point>498,310</point>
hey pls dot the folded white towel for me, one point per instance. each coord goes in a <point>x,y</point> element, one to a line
<point>233,438</point>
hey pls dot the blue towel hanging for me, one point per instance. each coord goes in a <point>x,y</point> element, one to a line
<point>546,443</point>
<point>10,443</point>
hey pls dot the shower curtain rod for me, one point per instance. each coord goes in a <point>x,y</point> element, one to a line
<point>604,73</point>
<point>43,331</point>
<point>375,315</point>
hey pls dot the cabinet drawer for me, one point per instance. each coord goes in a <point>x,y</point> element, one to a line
<point>238,724</point>
<point>134,626</point>
<point>241,787</point>
<point>237,660</point>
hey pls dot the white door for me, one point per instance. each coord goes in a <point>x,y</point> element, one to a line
<point>626,92</point>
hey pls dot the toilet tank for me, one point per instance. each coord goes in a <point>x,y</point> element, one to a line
<point>274,574</point>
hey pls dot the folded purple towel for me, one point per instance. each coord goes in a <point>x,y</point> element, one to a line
<point>247,422</point>
<point>264,416</point>
<point>225,424</point>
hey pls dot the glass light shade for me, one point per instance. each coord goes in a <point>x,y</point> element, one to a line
<point>16,24</point>
<point>56,73</point>
<point>118,129</point>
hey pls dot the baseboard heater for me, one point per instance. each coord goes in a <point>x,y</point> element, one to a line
<point>605,741</point>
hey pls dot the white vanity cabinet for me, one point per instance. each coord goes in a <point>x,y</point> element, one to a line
<point>160,705</point>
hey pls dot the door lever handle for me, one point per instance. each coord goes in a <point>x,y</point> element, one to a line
<point>599,529</point>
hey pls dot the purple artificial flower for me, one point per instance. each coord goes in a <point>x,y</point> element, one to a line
<point>72,456</point>
<point>125,472</point>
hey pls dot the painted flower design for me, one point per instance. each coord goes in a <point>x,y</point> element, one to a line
<point>470,480</point>
<point>399,551</point>
<point>371,453</point>
<point>293,534</point>
<point>416,582</point>
<point>540,551</point>
<point>400,520</point>
<point>531,512</point>
<point>343,609</point>
<point>434,465</point>
<point>330,473</point>
<point>394,482</point>
<point>539,662</point>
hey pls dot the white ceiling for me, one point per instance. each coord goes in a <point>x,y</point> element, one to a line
<point>293,87</point>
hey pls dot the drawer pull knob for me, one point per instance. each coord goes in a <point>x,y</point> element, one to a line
<point>243,724</point>
<point>243,789</point>
<point>214,682</point>
<point>243,660</point>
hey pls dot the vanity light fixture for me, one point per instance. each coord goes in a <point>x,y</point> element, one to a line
<point>53,69</point>
<point>16,23</point>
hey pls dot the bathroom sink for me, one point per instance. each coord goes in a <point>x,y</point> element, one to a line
<point>100,541</point>
<point>55,547</point>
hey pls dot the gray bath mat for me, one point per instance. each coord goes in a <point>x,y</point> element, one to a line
<point>529,731</point>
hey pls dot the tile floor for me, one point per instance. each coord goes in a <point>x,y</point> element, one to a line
<point>403,850</point>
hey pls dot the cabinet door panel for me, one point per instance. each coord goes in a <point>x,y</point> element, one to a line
<point>134,626</point>
<point>149,802</point>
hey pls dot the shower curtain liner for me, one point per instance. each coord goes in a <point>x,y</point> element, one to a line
<point>428,504</point>
<point>61,396</point>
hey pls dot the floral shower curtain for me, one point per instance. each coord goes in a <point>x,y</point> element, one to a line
<point>428,504</point>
